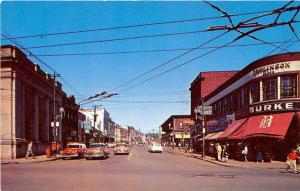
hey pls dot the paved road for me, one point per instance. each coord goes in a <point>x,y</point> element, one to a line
<point>141,171</point>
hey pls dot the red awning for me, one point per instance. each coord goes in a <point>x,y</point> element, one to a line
<point>232,128</point>
<point>275,125</point>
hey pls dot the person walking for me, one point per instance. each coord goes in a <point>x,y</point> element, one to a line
<point>245,153</point>
<point>219,152</point>
<point>291,161</point>
<point>29,150</point>
<point>298,152</point>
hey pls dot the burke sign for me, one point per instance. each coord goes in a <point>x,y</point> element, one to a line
<point>272,107</point>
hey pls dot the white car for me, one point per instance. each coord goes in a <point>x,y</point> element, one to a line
<point>155,148</point>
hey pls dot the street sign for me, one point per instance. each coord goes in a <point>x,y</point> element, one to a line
<point>206,109</point>
<point>87,125</point>
<point>52,124</point>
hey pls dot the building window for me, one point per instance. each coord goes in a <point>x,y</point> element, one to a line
<point>288,86</point>
<point>241,100</point>
<point>255,92</point>
<point>270,89</point>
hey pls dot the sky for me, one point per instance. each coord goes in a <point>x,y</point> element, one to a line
<point>149,104</point>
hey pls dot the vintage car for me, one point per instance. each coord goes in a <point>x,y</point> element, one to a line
<point>96,150</point>
<point>155,148</point>
<point>73,150</point>
<point>111,145</point>
<point>121,148</point>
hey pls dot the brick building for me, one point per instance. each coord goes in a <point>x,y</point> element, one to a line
<point>258,106</point>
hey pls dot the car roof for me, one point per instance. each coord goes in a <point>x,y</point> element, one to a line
<point>75,144</point>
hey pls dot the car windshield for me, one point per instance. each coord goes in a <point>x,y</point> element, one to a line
<point>155,144</point>
<point>73,146</point>
<point>120,144</point>
<point>96,146</point>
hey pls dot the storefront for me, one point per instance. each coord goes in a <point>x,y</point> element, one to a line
<point>264,100</point>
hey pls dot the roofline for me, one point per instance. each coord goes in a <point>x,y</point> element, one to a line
<point>218,71</point>
<point>244,70</point>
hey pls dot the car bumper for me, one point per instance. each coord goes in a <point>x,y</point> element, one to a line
<point>156,151</point>
<point>121,152</point>
<point>99,155</point>
<point>70,156</point>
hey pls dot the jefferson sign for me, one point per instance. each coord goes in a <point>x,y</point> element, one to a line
<point>274,107</point>
<point>275,68</point>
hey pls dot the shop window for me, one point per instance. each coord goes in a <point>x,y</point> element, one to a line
<point>255,92</point>
<point>241,98</point>
<point>270,89</point>
<point>288,86</point>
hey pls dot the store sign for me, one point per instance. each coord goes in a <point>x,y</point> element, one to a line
<point>207,110</point>
<point>217,125</point>
<point>274,107</point>
<point>271,69</point>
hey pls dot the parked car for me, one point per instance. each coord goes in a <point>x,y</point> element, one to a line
<point>155,148</point>
<point>73,150</point>
<point>96,150</point>
<point>121,148</point>
<point>111,145</point>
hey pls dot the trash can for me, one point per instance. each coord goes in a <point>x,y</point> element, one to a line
<point>48,152</point>
<point>268,157</point>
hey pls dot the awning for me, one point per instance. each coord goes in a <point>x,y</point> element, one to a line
<point>232,128</point>
<point>213,136</point>
<point>275,126</point>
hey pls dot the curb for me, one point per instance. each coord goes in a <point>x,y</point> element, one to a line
<point>29,161</point>
<point>218,163</point>
<point>198,157</point>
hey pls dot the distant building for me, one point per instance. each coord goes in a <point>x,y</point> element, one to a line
<point>99,119</point>
<point>177,129</point>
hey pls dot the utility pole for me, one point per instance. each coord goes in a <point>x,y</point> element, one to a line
<point>203,129</point>
<point>95,119</point>
<point>55,138</point>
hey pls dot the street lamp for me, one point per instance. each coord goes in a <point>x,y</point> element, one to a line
<point>173,134</point>
<point>182,135</point>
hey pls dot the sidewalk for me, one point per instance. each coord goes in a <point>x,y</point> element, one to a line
<point>41,158</point>
<point>274,165</point>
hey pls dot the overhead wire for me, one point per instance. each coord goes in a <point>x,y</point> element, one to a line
<point>159,50</point>
<point>115,39</point>
<point>209,52</point>
<point>167,62</point>
<point>36,57</point>
<point>139,76</point>
<point>135,25</point>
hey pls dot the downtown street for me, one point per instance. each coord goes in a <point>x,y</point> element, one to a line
<point>141,170</point>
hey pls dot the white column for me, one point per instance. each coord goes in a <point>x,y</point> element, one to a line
<point>23,113</point>
<point>261,91</point>
<point>35,116</point>
<point>278,87</point>
<point>47,125</point>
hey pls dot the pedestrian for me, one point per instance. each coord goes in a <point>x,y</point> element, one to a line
<point>298,152</point>
<point>54,149</point>
<point>179,145</point>
<point>29,150</point>
<point>245,153</point>
<point>219,152</point>
<point>225,154</point>
<point>291,161</point>
<point>259,155</point>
